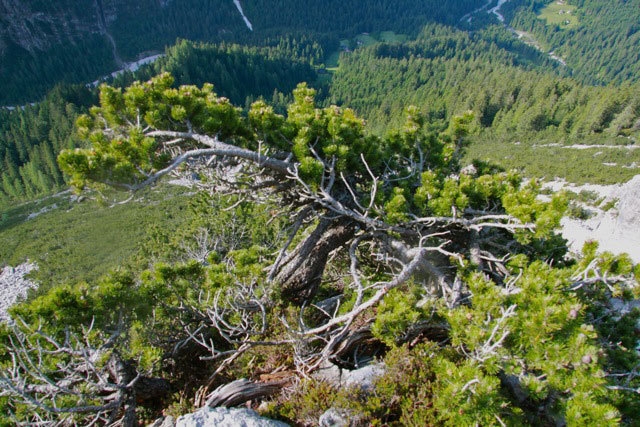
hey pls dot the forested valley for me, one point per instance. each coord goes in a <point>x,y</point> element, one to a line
<point>260,212</point>
<point>615,30</point>
<point>81,49</point>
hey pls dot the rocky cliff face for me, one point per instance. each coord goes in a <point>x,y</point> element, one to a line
<point>45,42</point>
<point>629,207</point>
<point>36,26</point>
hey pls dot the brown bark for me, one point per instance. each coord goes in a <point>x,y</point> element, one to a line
<point>301,272</point>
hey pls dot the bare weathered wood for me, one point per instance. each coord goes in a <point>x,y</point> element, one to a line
<point>357,346</point>
<point>301,272</point>
<point>240,391</point>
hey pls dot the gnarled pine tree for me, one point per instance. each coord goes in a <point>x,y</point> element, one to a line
<point>402,195</point>
<point>421,250</point>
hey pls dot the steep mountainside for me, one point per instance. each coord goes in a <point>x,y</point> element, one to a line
<point>561,127</point>
<point>43,43</point>
<point>28,26</point>
<point>323,185</point>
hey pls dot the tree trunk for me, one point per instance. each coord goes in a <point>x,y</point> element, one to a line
<point>145,390</point>
<point>301,272</point>
<point>240,391</point>
<point>123,373</point>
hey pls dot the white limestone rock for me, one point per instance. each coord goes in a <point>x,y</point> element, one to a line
<point>14,286</point>
<point>226,417</point>
<point>334,418</point>
<point>616,230</point>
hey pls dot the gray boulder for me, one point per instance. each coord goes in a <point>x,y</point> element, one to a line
<point>629,206</point>
<point>167,421</point>
<point>364,378</point>
<point>334,418</point>
<point>226,417</point>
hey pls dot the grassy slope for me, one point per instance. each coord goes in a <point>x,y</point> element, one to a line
<point>598,165</point>
<point>561,14</point>
<point>82,241</point>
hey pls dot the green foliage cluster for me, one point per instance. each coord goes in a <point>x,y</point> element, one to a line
<point>331,132</point>
<point>159,104</point>
<point>535,332</point>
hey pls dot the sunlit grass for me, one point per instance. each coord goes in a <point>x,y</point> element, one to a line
<point>597,165</point>
<point>391,37</point>
<point>561,14</point>
<point>84,240</point>
<point>332,61</point>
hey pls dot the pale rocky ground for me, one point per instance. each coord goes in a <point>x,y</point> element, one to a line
<point>14,286</point>
<point>226,417</point>
<point>616,230</point>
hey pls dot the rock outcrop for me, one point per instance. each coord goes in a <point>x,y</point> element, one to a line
<point>628,207</point>
<point>616,230</point>
<point>35,28</point>
<point>363,378</point>
<point>14,286</point>
<point>226,417</point>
